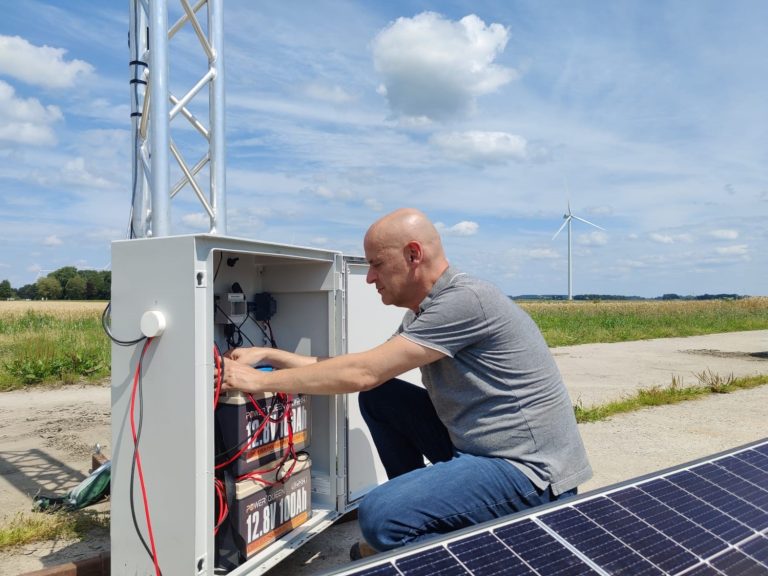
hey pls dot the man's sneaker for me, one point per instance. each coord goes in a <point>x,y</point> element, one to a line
<point>361,550</point>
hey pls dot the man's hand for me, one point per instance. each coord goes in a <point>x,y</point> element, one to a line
<point>239,376</point>
<point>252,356</point>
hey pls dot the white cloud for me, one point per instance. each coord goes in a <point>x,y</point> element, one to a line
<point>436,68</point>
<point>72,172</point>
<point>76,172</point>
<point>373,204</point>
<point>594,238</point>
<point>670,238</point>
<point>736,250</point>
<point>331,194</point>
<point>39,65</point>
<point>334,94</point>
<point>52,240</point>
<point>196,220</point>
<point>476,147</point>
<point>26,121</point>
<point>724,234</point>
<point>632,263</point>
<point>463,228</point>
<point>543,254</point>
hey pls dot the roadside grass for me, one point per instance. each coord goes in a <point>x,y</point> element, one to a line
<point>26,529</point>
<point>708,383</point>
<point>584,322</point>
<point>52,342</point>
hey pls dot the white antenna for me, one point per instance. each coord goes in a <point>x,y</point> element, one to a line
<point>569,218</point>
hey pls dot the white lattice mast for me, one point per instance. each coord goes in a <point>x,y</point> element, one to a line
<point>156,111</point>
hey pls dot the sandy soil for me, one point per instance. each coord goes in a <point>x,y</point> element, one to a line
<point>47,435</point>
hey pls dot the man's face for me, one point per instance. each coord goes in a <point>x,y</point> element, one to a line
<point>389,272</point>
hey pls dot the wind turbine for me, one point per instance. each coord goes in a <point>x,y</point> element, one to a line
<point>569,218</point>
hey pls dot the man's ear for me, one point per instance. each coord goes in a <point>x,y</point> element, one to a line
<point>413,251</point>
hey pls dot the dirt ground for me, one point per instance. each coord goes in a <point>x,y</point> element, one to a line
<point>47,435</point>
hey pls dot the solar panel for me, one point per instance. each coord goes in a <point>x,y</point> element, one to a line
<point>706,518</point>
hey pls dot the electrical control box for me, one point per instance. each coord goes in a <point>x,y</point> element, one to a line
<point>213,292</point>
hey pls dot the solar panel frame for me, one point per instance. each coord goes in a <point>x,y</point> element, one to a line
<point>701,518</point>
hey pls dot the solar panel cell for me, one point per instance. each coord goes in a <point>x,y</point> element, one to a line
<point>757,548</point>
<point>721,499</point>
<point>752,493</point>
<point>709,519</point>
<point>736,562</point>
<point>696,510</point>
<point>540,550</point>
<point>704,570</point>
<point>431,562</point>
<point>597,544</point>
<point>486,555</point>
<point>638,535</point>
<point>754,458</point>
<point>746,470</point>
<point>683,531</point>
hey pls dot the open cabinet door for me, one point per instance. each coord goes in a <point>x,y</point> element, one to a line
<point>368,324</point>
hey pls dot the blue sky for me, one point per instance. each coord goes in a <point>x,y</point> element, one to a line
<point>651,118</point>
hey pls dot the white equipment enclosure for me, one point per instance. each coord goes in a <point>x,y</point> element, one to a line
<point>322,307</point>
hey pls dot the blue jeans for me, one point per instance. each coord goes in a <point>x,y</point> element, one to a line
<point>420,502</point>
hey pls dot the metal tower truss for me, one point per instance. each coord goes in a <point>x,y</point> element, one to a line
<point>174,116</point>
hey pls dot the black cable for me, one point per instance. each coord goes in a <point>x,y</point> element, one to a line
<point>133,460</point>
<point>236,327</point>
<point>135,62</point>
<point>108,311</point>
<point>271,334</point>
<point>266,336</point>
<point>216,274</point>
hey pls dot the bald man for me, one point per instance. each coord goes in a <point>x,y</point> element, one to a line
<point>493,418</point>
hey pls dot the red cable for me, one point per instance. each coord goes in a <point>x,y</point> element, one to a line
<point>138,457</point>
<point>223,508</point>
<point>242,450</point>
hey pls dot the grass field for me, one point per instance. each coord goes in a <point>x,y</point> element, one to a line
<point>45,342</point>
<point>65,342</point>
<point>52,342</point>
<point>584,322</point>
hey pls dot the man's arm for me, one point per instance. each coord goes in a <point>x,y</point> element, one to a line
<point>348,373</point>
<point>270,356</point>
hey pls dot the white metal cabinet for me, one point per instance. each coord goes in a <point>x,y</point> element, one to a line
<point>324,308</point>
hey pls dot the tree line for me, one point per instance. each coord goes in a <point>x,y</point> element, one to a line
<point>67,283</point>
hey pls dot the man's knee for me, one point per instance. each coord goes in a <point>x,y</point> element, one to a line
<point>377,519</point>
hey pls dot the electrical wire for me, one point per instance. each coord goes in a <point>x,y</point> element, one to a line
<point>221,497</point>
<point>108,314</point>
<point>216,274</point>
<point>136,435</point>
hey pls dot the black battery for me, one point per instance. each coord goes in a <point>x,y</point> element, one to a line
<point>237,420</point>
<point>269,507</point>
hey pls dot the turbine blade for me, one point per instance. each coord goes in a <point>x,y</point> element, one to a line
<point>561,227</point>
<point>587,222</point>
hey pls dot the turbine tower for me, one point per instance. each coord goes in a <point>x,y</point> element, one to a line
<point>569,218</point>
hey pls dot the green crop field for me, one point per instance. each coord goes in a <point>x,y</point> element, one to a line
<point>63,342</point>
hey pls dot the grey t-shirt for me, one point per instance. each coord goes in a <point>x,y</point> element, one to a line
<point>498,390</point>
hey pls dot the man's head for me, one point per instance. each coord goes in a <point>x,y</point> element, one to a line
<point>406,257</point>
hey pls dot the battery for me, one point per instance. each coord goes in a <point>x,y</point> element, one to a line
<point>238,420</point>
<point>268,508</point>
